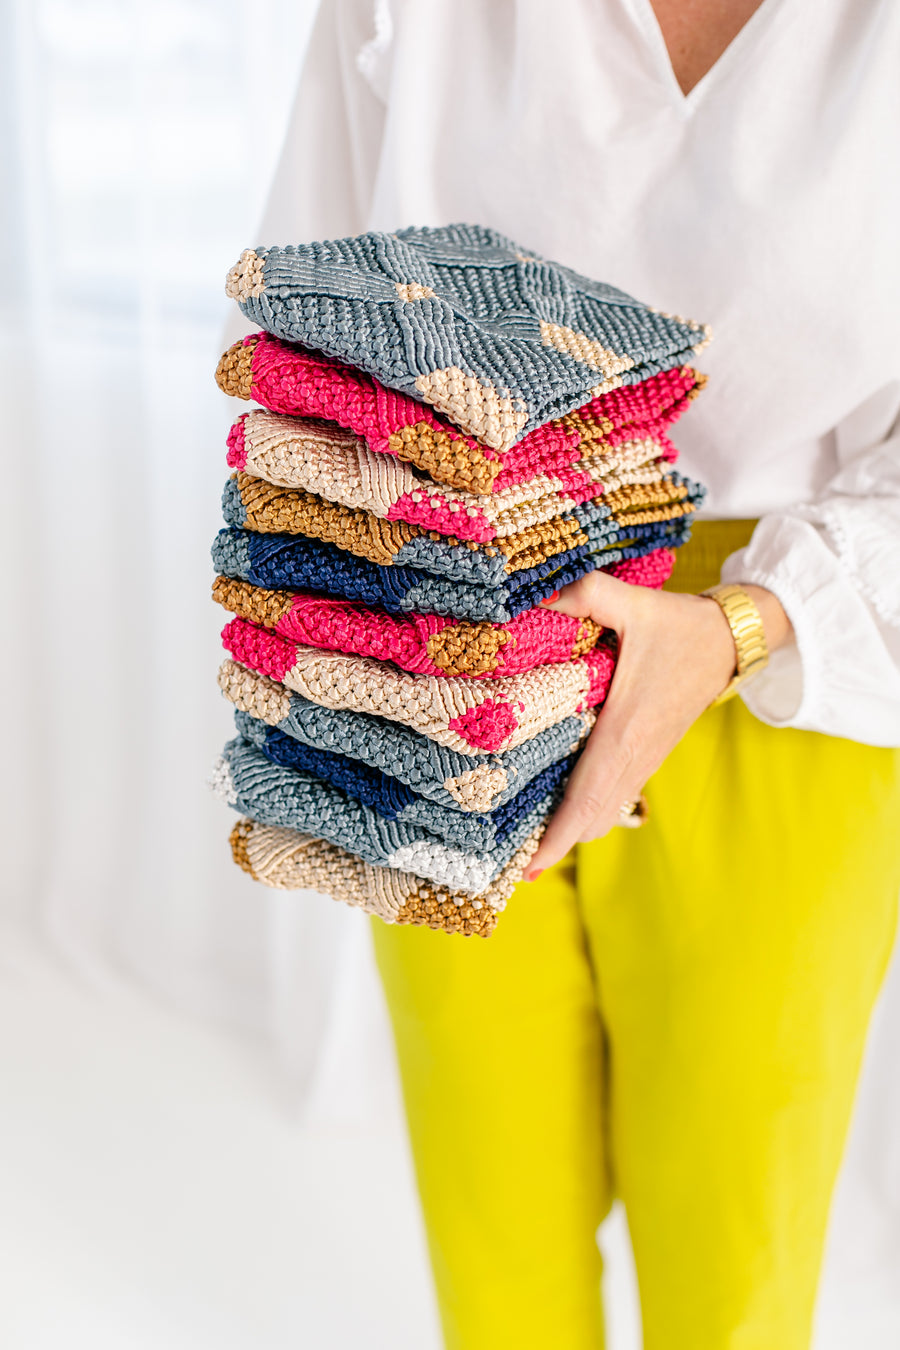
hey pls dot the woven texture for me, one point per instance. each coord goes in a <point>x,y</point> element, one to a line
<point>287,860</point>
<point>392,799</point>
<point>451,430</point>
<point>337,466</point>
<point>466,715</point>
<point>276,795</point>
<point>446,777</point>
<point>424,644</point>
<point>462,319</point>
<point>294,562</point>
<point>266,508</point>
<point>287,379</point>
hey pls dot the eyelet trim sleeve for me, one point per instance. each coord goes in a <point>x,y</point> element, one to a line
<point>840,676</point>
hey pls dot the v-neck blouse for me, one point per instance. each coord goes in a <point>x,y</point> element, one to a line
<point>644,17</point>
<point>765,202</point>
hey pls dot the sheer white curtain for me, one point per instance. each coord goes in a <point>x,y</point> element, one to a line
<point>140,139</point>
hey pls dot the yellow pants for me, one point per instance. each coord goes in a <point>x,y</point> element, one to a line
<point>675,1015</point>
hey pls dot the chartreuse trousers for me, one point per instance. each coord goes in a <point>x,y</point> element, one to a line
<point>675,1015</point>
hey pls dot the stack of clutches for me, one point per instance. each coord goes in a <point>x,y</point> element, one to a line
<point>450,429</point>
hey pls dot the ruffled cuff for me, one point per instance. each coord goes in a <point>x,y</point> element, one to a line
<point>838,675</point>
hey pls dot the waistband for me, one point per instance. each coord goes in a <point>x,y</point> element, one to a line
<point>699,562</point>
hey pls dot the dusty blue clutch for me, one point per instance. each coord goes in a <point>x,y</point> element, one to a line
<point>456,781</point>
<point>490,334</point>
<point>274,795</point>
<point>295,562</point>
<point>395,800</point>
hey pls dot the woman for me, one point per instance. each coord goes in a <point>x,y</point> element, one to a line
<point>675,1014</point>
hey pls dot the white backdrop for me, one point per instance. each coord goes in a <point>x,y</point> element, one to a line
<point>140,141</point>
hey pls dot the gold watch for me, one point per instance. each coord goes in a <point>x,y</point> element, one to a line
<point>746,626</point>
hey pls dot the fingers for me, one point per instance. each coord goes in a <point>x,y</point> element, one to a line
<point>615,763</point>
<point>674,653</point>
<point>596,596</point>
<point>604,778</point>
<point>606,758</point>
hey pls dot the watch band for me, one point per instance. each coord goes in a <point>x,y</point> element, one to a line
<point>746,626</point>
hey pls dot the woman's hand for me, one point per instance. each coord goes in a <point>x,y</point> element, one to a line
<point>676,655</point>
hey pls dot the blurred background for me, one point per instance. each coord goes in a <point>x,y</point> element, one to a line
<point>200,1136</point>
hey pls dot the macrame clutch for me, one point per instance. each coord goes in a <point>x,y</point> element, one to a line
<point>288,860</point>
<point>449,778</point>
<point>275,795</point>
<point>336,465</point>
<point>295,562</point>
<point>266,508</point>
<point>451,430</point>
<point>463,714</point>
<point>392,799</point>
<point>423,644</point>
<point>498,340</point>
<point>288,379</point>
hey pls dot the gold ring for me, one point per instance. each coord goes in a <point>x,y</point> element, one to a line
<point>633,814</point>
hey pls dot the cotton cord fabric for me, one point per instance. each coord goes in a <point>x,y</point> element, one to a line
<point>499,340</point>
<point>393,799</point>
<point>447,777</point>
<point>451,430</point>
<point>291,380</point>
<point>250,782</point>
<point>288,860</point>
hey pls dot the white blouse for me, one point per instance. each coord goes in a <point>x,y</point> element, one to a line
<point>765,202</point>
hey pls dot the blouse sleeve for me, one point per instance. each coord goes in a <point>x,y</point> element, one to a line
<point>325,178</point>
<point>835,566</point>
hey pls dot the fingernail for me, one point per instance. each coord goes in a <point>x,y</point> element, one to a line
<point>533,876</point>
<point>548,599</point>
